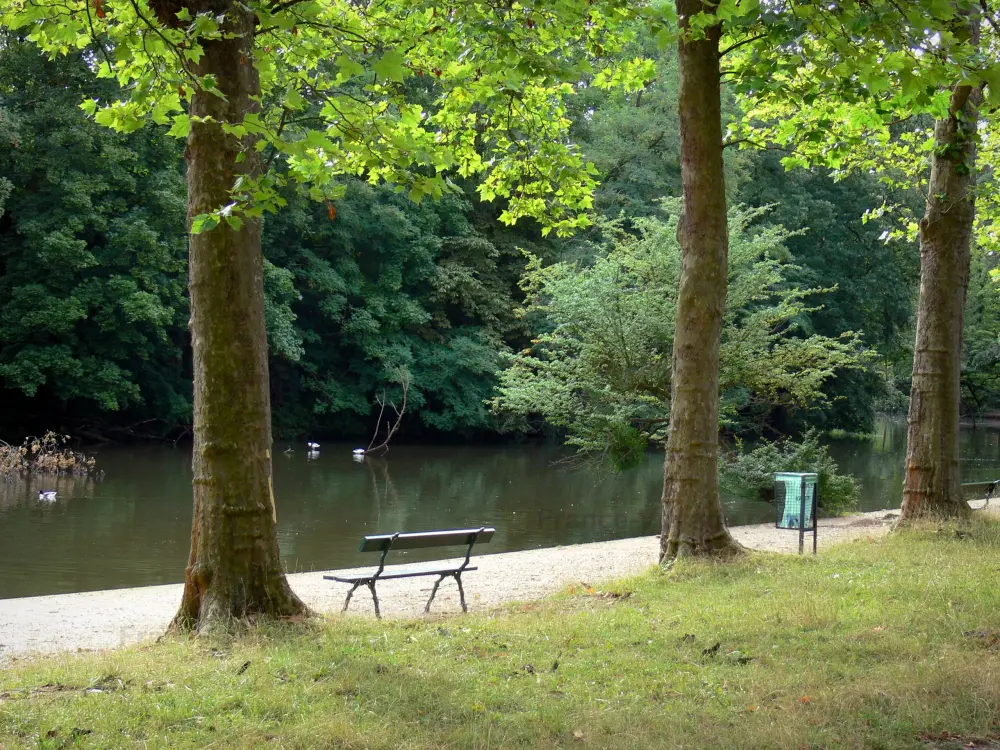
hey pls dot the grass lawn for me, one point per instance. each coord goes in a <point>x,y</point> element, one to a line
<point>887,643</point>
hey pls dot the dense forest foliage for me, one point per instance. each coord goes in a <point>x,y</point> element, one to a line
<point>375,290</point>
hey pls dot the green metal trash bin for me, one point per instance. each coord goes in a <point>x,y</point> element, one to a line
<point>796,496</point>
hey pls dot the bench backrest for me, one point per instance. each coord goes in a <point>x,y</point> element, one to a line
<point>422,539</point>
<point>980,488</point>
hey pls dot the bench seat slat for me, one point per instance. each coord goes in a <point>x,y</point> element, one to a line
<point>424,539</point>
<point>400,574</point>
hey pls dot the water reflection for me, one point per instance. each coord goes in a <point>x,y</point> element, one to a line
<point>879,463</point>
<point>22,492</point>
<point>133,528</point>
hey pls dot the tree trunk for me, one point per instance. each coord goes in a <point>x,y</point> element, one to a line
<point>932,486</point>
<point>234,569</point>
<point>693,522</point>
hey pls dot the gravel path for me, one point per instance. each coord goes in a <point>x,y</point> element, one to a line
<point>109,619</point>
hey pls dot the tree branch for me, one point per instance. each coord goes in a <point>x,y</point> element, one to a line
<point>758,145</point>
<point>390,429</point>
<point>740,43</point>
<point>989,16</point>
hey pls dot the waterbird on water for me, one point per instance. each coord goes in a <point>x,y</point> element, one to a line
<point>358,451</point>
<point>313,446</point>
<point>47,495</point>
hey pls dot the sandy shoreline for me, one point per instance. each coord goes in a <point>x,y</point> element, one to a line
<point>114,618</point>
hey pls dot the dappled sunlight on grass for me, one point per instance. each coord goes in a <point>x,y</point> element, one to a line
<point>875,643</point>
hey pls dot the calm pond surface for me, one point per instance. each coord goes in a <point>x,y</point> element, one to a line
<point>133,529</point>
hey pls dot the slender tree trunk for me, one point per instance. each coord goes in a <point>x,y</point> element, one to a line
<point>693,522</point>
<point>234,569</point>
<point>932,486</point>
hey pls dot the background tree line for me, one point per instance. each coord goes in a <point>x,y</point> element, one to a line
<point>93,267</point>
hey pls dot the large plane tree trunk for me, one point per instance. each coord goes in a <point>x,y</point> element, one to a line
<point>234,571</point>
<point>693,521</point>
<point>932,486</point>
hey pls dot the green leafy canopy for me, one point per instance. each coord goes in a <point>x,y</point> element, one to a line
<point>859,89</point>
<point>405,92</point>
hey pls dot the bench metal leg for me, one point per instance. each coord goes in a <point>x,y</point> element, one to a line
<point>350,593</point>
<point>371,586</point>
<point>461,591</point>
<point>433,592</point>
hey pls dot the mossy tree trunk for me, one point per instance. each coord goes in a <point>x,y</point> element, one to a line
<point>234,571</point>
<point>693,521</point>
<point>932,487</point>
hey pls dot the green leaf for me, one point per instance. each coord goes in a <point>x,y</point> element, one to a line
<point>391,66</point>
<point>204,223</point>
<point>107,117</point>
<point>181,127</point>
<point>348,68</point>
<point>294,100</point>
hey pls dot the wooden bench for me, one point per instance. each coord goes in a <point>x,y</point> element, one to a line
<point>416,540</point>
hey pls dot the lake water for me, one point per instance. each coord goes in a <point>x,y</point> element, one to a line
<point>133,529</point>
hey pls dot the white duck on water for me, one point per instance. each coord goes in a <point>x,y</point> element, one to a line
<point>47,495</point>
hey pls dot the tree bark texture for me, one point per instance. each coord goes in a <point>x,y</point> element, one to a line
<point>932,485</point>
<point>234,571</point>
<point>693,521</point>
